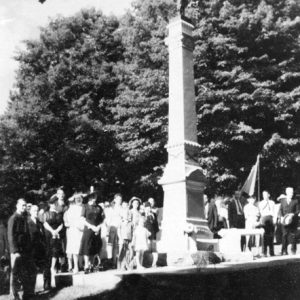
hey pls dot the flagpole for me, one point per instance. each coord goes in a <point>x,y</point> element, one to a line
<point>258,178</point>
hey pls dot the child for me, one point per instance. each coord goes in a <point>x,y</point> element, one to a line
<point>140,242</point>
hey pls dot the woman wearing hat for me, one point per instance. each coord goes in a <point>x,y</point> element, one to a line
<point>74,225</point>
<point>53,223</point>
<point>92,216</point>
<point>134,205</point>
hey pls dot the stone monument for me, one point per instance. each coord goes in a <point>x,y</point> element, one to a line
<point>183,181</point>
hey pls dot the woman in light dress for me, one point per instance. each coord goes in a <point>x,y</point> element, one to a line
<point>252,216</point>
<point>74,224</point>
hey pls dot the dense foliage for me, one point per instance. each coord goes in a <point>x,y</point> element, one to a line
<point>90,102</point>
<point>247,64</point>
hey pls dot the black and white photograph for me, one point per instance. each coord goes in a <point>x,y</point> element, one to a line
<point>149,149</point>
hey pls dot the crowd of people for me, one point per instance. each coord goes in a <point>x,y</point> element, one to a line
<point>81,234</point>
<point>280,216</point>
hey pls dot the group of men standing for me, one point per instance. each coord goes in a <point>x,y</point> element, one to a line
<point>286,218</point>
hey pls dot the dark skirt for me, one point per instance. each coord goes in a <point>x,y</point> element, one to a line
<point>90,244</point>
<point>55,248</point>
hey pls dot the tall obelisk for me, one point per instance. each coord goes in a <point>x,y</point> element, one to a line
<point>183,181</point>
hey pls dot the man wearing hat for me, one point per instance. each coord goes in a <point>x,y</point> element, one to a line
<point>289,220</point>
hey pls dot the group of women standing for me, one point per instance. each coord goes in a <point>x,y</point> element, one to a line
<point>73,231</point>
<point>118,232</point>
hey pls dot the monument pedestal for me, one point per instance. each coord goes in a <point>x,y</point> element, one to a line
<point>183,181</point>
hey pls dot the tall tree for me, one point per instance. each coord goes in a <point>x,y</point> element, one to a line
<point>91,98</point>
<point>55,126</point>
<point>140,109</point>
<point>247,79</point>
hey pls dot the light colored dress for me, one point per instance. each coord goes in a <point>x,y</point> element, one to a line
<point>75,226</point>
<point>140,238</point>
<point>251,213</point>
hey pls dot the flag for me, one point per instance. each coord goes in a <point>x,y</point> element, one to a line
<point>249,185</point>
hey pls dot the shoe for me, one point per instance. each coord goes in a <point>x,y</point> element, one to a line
<point>47,290</point>
<point>293,252</point>
<point>284,253</point>
<point>86,271</point>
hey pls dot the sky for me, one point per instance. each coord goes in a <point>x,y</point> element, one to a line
<point>21,20</point>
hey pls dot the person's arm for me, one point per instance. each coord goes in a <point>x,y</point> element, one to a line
<point>59,228</point>
<point>5,241</point>
<point>280,214</point>
<point>85,222</point>
<point>47,225</point>
<point>13,247</point>
<point>12,236</point>
<point>66,218</point>
<point>49,228</point>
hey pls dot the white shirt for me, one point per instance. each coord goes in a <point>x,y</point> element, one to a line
<point>267,208</point>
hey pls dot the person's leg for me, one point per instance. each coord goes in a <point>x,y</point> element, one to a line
<point>75,260</point>
<point>247,244</point>
<point>271,241</point>
<point>155,258</point>
<point>53,265</point>
<point>117,249</point>
<point>111,245</point>
<point>62,266</point>
<point>70,264</point>
<point>122,254</point>
<point>265,244</point>
<point>47,273</point>
<point>86,263</point>
<point>293,241</point>
<point>15,272</point>
<point>29,274</point>
<point>138,259</point>
<point>284,240</point>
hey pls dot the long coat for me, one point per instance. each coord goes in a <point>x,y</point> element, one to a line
<point>293,208</point>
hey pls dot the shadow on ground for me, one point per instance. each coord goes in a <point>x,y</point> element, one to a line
<point>277,282</point>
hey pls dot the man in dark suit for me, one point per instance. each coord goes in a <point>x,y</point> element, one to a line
<point>38,249</point>
<point>289,206</point>
<point>20,252</point>
<point>236,215</point>
<point>236,212</point>
<point>212,218</point>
